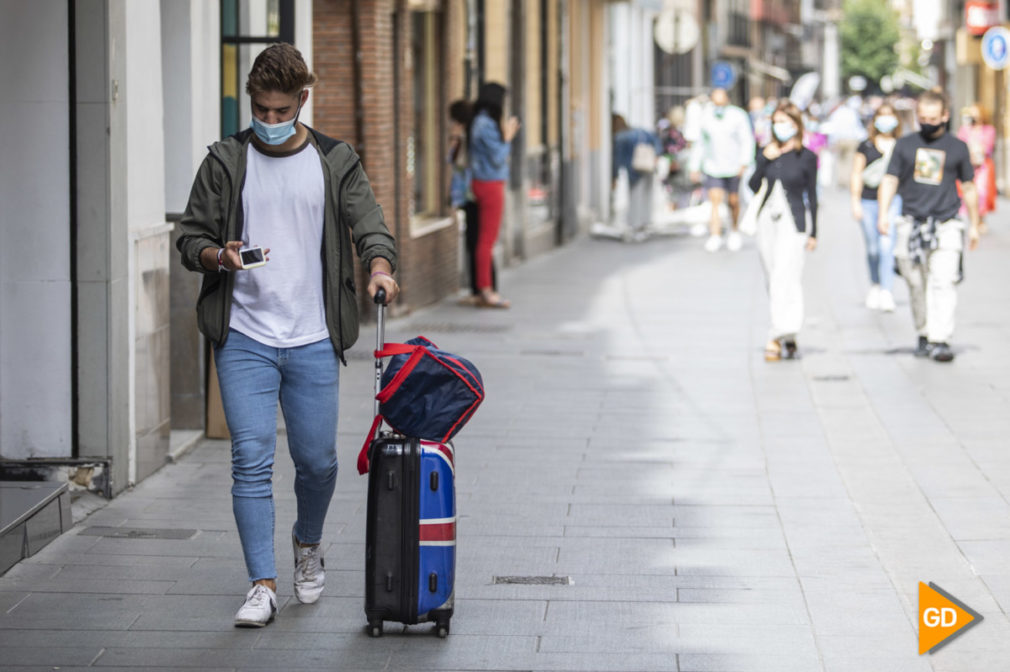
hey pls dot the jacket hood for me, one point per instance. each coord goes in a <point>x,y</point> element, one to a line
<point>337,153</point>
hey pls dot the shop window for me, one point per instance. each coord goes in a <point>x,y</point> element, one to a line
<point>247,28</point>
<point>425,147</point>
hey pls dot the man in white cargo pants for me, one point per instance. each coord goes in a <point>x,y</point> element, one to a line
<point>929,237</point>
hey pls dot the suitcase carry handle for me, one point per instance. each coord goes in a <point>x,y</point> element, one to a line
<point>380,338</point>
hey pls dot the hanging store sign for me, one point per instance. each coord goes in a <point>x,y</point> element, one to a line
<point>980,16</point>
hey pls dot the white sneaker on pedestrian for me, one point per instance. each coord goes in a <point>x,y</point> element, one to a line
<point>259,608</point>
<point>699,230</point>
<point>734,242</point>
<point>310,571</point>
<point>886,301</point>
<point>713,244</point>
<point>873,298</point>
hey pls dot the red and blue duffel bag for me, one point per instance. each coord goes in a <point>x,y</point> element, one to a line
<point>426,393</point>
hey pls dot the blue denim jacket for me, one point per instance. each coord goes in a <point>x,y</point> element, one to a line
<point>488,152</point>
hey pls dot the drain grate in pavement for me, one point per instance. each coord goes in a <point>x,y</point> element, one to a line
<point>831,379</point>
<point>136,533</point>
<point>535,580</point>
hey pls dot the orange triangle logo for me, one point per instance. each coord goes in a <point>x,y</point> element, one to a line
<point>942,617</point>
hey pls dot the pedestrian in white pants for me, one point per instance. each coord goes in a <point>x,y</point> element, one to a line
<point>932,285</point>
<point>924,170</point>
<point>785,186</point>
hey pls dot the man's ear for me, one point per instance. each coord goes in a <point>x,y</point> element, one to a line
<point>304,97</point>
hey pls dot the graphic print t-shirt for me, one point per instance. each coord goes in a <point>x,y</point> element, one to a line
<point>928,172</point>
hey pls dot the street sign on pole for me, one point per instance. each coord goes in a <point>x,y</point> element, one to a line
<point>996,47</point>
<point>723,75</point>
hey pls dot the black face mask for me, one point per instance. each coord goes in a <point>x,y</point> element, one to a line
<point>930,131</point>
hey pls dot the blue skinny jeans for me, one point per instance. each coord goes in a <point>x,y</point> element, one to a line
<point>254,377</point>
<point>879,249</point>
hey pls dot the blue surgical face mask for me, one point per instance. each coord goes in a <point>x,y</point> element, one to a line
<point>886,123</point>
<point>784,130</point>
<point>279,133</point>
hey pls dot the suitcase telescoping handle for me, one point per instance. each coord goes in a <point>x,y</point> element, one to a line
<point>380,341</point>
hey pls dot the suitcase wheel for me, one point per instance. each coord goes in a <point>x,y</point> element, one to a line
<point>442,629</point>
<point>375,628</point>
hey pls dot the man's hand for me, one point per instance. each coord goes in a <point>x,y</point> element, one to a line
<point>811,244</point>
<point>382,277</point>
<point>973,236</point>
<point>230,258</point>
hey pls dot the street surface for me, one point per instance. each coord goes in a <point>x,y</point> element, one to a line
<point>714,512</point>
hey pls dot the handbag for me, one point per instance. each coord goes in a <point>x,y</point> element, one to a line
<point>749,220</point>
<point>873,174</point>
<point>643,159</point>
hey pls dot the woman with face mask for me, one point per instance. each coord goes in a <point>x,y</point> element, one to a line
<point>786,224</point>
<point>868,169</point>
<point>980,136</point>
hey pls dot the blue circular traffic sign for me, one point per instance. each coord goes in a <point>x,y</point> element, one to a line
<point>996,47</point>
<point>723,75</point>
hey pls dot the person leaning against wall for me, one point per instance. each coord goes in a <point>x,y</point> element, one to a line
<point>280,330</point>
<point>490,143</point>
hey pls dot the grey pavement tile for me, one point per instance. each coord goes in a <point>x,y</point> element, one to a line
<point>53,656</point>
<point>758,661</point>
<point>55,611</point>
<point>755,638</point>
<point>585,614</point>
<point>974,518</point>
<point>269,659</point>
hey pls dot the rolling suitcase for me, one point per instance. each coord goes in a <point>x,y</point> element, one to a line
<point>410,538</point>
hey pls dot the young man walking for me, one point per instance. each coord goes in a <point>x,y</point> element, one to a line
<point>929,236</point>
<point>280,329</point>
<point>723,153</point>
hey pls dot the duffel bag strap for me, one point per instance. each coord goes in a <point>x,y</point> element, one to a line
<point>363,455</point>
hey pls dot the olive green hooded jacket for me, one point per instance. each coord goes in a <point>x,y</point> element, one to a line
<point>214,215</point>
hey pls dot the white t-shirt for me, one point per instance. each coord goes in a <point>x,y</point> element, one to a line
<point>725,144</point>
<point>283,198</point>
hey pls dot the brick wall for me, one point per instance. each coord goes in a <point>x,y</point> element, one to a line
<point>427,263</point>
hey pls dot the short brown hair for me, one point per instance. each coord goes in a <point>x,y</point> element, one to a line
<point>933,96</point>
<point>279,67</point>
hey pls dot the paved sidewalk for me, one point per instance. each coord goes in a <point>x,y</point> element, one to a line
<point>714,512</point>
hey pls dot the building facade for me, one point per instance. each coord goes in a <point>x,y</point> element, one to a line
<point>108,114</point>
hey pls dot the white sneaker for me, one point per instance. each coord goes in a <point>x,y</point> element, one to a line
<point>886,302</point>
<point>734,242</point>
<point>310,573</point>
<point>699,230</point>
<point>873,298</point>
<point>259,608</point>
<point>713,244</point>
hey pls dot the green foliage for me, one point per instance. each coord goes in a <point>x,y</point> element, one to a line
<point>869,34</point>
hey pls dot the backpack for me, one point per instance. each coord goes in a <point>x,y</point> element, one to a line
<point>426,393</point>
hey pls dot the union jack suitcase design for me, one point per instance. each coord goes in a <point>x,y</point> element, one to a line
<point>410,542</point>
<point>410,534</point>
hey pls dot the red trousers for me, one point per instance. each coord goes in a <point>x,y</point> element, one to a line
<point>490,197</point>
